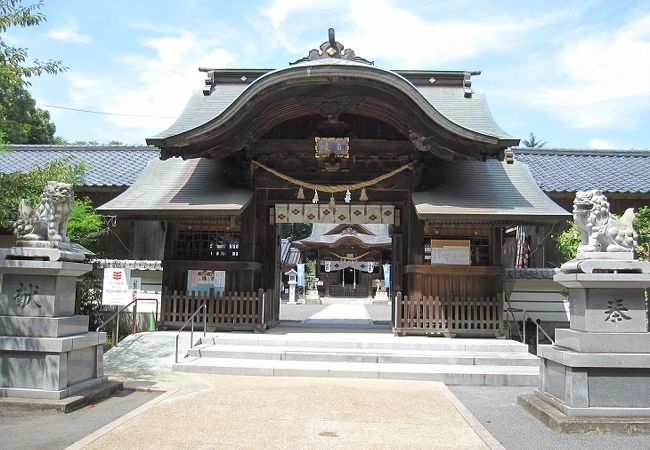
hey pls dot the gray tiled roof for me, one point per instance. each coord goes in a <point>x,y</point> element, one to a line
<point>486,190</point>
<point>177,187</point>
<point>570,170</point>
<point>321,234</point>
<point>471,112</point>
<point>107,165</point>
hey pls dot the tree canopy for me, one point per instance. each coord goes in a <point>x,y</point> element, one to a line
<point>20,121</point>
<point>533,142</point>
<point>14,61</point>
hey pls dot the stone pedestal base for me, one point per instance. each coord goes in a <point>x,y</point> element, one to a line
<point>51,368</point>
<point>381,297</point>
<point>595,384</point>
<point>312,297</point>
<point>600,367</point>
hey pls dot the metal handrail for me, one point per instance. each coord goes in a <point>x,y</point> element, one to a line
<point>510,310</point>
<point>205,324</point>
<point>136,300</point>
<point>537,322</point>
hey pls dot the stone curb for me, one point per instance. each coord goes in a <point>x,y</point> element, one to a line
<point>557,421</point>
<point>64,405</point>
<point>472,421</point>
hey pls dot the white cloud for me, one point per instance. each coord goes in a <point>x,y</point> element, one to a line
<point>369,27</point>
<point>68,33</point>
<point>598,80</point>
<point>157,86</point>
<point>597,143</point>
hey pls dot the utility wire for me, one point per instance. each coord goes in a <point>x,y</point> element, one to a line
<point>108,113</point>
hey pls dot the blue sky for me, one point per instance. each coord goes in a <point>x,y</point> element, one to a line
<point>574,72</point>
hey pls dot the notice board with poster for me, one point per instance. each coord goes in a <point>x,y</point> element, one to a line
<point>450,251</point>
<point>201,281</point>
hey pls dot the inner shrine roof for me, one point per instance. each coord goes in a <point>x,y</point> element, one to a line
<point>327,235</point>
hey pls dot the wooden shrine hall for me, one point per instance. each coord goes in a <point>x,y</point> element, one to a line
<point>333,139</point>
<point>349,257</point>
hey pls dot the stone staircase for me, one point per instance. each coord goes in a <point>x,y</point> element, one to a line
<point>491,362</point>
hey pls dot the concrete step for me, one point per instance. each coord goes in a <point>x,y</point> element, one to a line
<point>452,374</point>
<point>333,354</point>
<point>377,341</point>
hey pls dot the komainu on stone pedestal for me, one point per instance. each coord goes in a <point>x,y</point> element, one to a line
<point>600,366</point>
<point>600,230</point>
<point>48,221</point>
<point>46,351</point>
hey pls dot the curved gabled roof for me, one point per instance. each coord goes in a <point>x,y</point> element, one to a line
<point>234,112</point>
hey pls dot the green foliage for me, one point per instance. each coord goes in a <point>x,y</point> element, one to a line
<point>18,185</point>
<point>642,226</point>
<point>13,60</point>
<point>567,242</point>
<point>90,303</point>
<point>310,268</point>
<point>85,226</point>
<point>21,122</point>
<point>533,142</point>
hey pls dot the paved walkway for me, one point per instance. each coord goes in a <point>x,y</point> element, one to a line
<point>341,315</point>
<point>219,411</point>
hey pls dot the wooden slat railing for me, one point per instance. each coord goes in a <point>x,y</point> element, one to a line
<point>229,311</point>
<point>435,315</point>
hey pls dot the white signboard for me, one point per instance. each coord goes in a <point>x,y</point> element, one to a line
<point>117,287</point>
<point>201,281</point>
<point>450,252</point>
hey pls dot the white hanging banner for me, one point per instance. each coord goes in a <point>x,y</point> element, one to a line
<point>363,266</point>
<point>342,213</point>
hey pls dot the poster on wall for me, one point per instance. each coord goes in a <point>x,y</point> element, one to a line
<point>116,289</point>
<point>201,281</point>
<point>450,251</point>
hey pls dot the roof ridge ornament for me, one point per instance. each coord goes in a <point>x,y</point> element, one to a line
<point>332,49</point>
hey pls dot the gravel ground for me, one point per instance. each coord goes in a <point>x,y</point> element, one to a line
<point>495,407</point>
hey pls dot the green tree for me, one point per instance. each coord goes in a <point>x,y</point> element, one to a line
<point>85,226</point>
<point>533,142</point>
<point>20,121</point>
<point>642,226</point>
<point>14,62</point>
<point>568,241</point>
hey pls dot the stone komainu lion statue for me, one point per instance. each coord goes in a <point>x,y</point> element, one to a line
<point>601,231</point>
<point>49,220</point>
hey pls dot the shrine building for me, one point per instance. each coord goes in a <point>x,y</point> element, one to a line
<point>409,163</point>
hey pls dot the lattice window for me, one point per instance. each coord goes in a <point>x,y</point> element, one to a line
<point>207,244</point>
